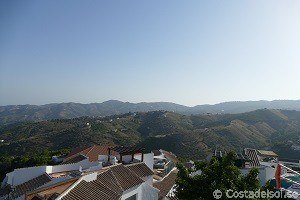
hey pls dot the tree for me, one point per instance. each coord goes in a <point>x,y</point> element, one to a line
<point>218,174</point>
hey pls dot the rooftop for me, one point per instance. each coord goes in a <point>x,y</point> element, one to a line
<point>267,153</point>
<point>74,159</point>
<point>111,182</point>
<point>140,169</point>
<point>127,150</point>
<point>91,190</point>
<point>31,185</point>
<point>166,184</point>
<point>170,156</point>
<point>92,152</point>
<point>52,190</point>
<point>253,157</point>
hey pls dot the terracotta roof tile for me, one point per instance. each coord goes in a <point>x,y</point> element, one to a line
<point>75,151</point>
<point>90,190</point>
<point>140,169</point>
<point>92,152</point>
<point>75,159</point>
<point>31,185</point>
<point>165,184</point>
<point>47,192</point>
<point>171,156</point>
<point>110,184</point>
<point>253,157</point>
<point>125,177</point>
<point>109,180</point>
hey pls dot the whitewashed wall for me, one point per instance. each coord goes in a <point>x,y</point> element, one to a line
<point>265,174</point>
<point>148,192</point>
<point>84,164</point>
<point>149,160</point>
<point>21,175</point>
<point>143,192</point>
<point>149,180</point>
<point>130,192</point>
<point>127,158</point>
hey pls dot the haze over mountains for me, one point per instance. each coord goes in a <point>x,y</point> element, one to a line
<point>18,113</point>
<point>190,137</point>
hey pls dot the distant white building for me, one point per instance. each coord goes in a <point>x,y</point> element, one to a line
<point>164,162</point>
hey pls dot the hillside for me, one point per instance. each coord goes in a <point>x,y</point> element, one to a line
<point>21,113</point>
<point>187,136</point>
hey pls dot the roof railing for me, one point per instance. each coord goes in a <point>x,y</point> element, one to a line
<point>285,178</point>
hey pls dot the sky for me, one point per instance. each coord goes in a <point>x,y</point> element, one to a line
<point>188,52</point>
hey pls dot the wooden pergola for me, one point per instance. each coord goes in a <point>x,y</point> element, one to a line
<point>122,151</point>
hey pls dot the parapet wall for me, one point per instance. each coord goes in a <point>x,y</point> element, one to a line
<point>19,176</point>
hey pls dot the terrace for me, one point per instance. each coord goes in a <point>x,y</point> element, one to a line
<point>126,155</point>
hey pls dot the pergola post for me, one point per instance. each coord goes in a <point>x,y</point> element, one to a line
<point>108,155</point>
<point>132,157</point>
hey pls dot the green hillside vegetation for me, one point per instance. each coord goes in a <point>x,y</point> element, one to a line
<point>189,137</point>
<point>20,113</point>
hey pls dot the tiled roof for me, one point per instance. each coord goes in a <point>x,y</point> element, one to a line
<point>108,178</point>
<point>77,151</point>
<point>51,191</point>
<point>91,190</point>
<point>267,153</point>
<point>75,159</point>
<point>140,169</point>
<point>92,152</point>
<point>31,185</point>
<point>127,150</point>
<point>110,184</point>
<point>165,184</point>
<point>252,156</point>
<point>125,177</point>
<point>170,156</point>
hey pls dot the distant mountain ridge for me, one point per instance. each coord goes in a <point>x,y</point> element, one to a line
<point>188,136</point>
<point>19,113</point>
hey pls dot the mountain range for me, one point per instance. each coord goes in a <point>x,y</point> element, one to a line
<point>188,136</point>
<point>19,113</point>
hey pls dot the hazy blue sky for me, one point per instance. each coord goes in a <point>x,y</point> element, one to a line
<point>188,52</point>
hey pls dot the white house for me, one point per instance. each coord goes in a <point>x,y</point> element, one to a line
<point>90,173</point>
